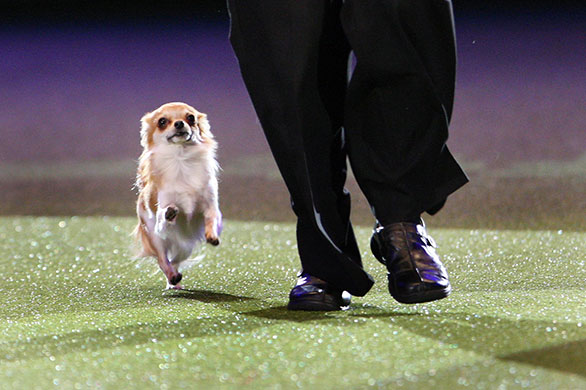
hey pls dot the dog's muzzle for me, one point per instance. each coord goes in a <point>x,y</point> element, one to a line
<point>180,136</point>
<point>181,133</point>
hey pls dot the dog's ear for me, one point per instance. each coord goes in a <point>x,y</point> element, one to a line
<point>144,129</point>
<point>204,125</point>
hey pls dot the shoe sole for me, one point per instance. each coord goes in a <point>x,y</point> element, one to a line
<point>422,297</point>
<point>315,305</point>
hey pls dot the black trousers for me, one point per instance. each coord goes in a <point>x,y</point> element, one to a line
<point>391,119</point>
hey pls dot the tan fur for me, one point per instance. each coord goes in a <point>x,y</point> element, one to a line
<point>146,183</point>
<point>150,180</point>
<point>143,239</point>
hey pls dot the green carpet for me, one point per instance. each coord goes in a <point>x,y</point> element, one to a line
<point>78,312</point>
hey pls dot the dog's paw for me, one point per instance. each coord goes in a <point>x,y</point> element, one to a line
<point>174,287</point>
<point>215,241</point>
<point>175,279</point>
<point>171,213</point>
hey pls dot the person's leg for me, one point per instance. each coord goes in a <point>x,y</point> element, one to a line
<point>398,109</point>
<point>290,68</point>
<point>399,105</point>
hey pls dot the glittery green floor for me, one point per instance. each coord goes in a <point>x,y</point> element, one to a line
<point>78,312</point>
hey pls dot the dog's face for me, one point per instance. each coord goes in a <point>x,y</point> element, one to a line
<point>174,123</point>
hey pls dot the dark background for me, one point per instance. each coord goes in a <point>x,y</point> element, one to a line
<point>18,11</point>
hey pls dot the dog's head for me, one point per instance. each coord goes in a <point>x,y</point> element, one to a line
<point>174,123</point>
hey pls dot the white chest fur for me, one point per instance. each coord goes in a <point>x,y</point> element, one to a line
<point>187,175</point>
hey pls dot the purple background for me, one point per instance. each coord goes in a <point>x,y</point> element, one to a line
<point>77,90</point>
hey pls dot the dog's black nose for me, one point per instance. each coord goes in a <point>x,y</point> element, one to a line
<point>179,124</point>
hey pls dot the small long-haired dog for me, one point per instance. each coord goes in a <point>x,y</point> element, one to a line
<point>178,188</point>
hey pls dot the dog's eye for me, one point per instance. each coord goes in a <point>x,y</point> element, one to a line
<point>190,119</point>
<point>163,122</point>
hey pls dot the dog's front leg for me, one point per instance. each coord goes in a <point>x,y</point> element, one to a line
<point>167,213</point>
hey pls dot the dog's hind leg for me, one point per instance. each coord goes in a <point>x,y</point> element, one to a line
<point>177,254</point>
<point>173,276</point>
<point>157,246</point>
<point>213,227</point>
<point>213,219</point>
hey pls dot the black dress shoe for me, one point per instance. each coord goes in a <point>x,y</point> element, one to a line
<point>415,271</point>
<point>313,294</point>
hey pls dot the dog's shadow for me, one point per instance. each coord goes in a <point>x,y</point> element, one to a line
<point>207,296</point>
